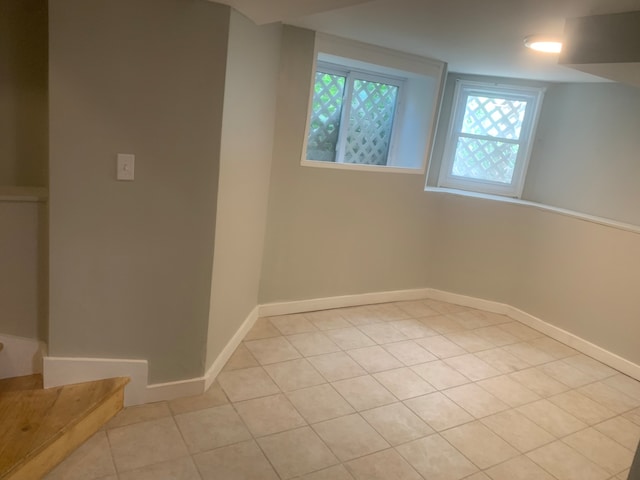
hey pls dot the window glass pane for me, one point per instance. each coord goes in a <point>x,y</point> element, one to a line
<point>490,160</point>
<point>326,109</point>
<point>373,107</point>
<point>494,117</point>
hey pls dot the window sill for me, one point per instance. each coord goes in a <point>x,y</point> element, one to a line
<point>629,227</point>
<point>362,168</point>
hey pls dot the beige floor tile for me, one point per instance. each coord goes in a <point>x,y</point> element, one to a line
<point>146,443</point>
<point>242,461</point>
<point>404,383</point>
<point>435,459</point>
<point>179,469</point>
<point>478,476</point>
<point>413,328</point>
<point>268,415</point>
<point>374,359</point>
<point>314,343</point>
<point>518,430</point>
<point>382,333</point>
<point>297,452</point>
<point>520,331</point>
<point>364,393</point>
<point>470,341</point>
<point>600,449</point>
<point>609,397</point>
<point>496,318</point>
<point>327,319</point>
<point>350,437</point>
<point>470,319</point>
<point>91,461</point>
<point>247,383</point>
<point>388,312</point>
<point>623,476</point>
<point>509,391</point>
<point>396,423</point>
<point>472,367</point>
<point>502,360</point>
<point>359,315</point>
<point>565,463</point>
<point>409,352</point>
<point>443,324</point>
<point>479,444</point>
<point>263,328</point>
<point>539,382</point>
<point>438,411</point>
<point>475,400</point>
<point>553,347</point>
<point>292,324</point>
<point>417,308</point>
<point>349,338</point>
<point>529,353</point>
<point>444,307</point>
<point>626,385</point>
<point>294,374</point>
<point>214,397</point>
<point>552,418</point>
<point>337,366</point>
<point>440,375</point>
<point>319,403</point>
<point>496,336</point>
<point>623,431</point>
<point>140,413</point>
<point>441,346</point>
<point>582,407</point>
<point>565,373</point>
<point>339,472</point>
<point>518,468</point>
<point>385,465</point>
<point>241,358</point>
<point>590,366</point>
<point>272,350</point>
<point>211,428</point>
<point>633,416</point>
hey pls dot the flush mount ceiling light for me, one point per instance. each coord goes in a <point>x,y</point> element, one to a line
<point>543,43</point>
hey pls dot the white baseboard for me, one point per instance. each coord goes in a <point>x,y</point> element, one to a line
<point>67,370</point>
<point>61,371</point>
<point>20,356</point>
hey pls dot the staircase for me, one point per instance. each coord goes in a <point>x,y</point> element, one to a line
<point>42,427</point>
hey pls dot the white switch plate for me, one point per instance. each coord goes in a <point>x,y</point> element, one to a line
<point>126,166</point>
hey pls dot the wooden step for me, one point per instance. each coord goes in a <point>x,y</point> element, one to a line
<point>40,428</point>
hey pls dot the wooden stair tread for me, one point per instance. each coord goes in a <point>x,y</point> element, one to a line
<point>34,419</point>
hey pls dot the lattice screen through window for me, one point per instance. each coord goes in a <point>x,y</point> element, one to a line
<point>487,147</point>
<point>369,113</point>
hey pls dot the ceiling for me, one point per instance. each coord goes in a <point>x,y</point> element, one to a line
<point>475,37</point>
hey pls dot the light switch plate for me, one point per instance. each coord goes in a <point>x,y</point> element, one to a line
<point>126,166</point>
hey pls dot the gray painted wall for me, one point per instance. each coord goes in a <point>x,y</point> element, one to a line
<point>131,261</point>
<point>23,92</point>
<point>245,166</point>
<point>335,232</point>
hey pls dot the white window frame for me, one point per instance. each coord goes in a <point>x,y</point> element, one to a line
<point>465,88</point>
<point>350,76</point>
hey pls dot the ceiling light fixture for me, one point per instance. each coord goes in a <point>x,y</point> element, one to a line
<point>543,43</point>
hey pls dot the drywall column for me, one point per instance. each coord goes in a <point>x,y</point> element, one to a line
<point>245,166</point>
<point>130,262</point>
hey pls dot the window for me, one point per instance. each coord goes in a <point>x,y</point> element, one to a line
<point>490,137</point>
<point>352,116</point>
<point>370,108</point>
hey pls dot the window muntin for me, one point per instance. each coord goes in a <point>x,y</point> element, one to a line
<point>353,115</point>
<point>489,139</point>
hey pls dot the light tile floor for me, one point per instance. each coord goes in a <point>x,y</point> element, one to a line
<point>406,390</point>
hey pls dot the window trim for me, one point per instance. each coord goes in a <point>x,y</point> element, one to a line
<point>466,88</point>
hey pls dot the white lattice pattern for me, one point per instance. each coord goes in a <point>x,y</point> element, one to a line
<point>325,117</point>
<point>494,117</point>
<point>370,123</point>
<point>485,160</point>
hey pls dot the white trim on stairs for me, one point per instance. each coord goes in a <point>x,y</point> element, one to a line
<point>20,356</point>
